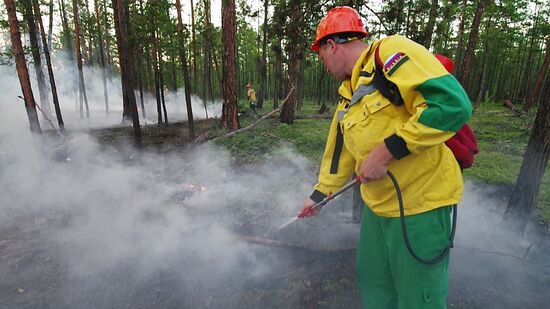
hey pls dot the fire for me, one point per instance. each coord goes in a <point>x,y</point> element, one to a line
<point>194,187</point>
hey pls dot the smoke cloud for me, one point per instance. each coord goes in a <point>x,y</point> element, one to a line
<point>95,226</point>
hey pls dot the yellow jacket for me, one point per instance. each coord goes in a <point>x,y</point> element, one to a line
<point>435,107</point>
<point>251,95</point>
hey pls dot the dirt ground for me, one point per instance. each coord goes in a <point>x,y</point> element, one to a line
<point>311,264</point>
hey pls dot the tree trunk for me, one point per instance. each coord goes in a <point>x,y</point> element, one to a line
<point>399,11</point>
<point>126,51</point>
<point>526,79</point>
<point>472,41</point>
<point>460,46</point>
<point>35,49</point>
<point>156,74</point>
<point>45,48</point>
<point>50,26</point>
<point>82,88</point>
<point>69,46</point>
<point>431,23</point>
<point>21,67</point>
<point>525,192</point>
<point>102,57</point>
<point>194,43</point>
<point>293,49</point>
<point>161,82</point>
<point>485,58</point>
<point>140,84</point>
<point>535,95</point>
<point>263,67</point>
<point>229,83</point>
<point>278,73</point>
<point>185,71</point>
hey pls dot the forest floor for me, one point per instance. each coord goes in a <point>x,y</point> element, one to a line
<point>311,263</point>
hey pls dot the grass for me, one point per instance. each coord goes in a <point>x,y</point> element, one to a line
<point>502,138</point>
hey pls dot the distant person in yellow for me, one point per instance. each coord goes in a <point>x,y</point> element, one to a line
<point>251,94</point>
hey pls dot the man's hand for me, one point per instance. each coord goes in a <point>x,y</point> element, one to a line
<point>375,165</point>
<point>307,211</point>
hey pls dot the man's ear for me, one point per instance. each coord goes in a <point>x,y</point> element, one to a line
<point>332,44</point>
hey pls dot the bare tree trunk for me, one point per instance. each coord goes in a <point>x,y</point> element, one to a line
<point>140,84</point>
<point>534,97</point>
<point>460,46</point>
<point>263,65</point>
<point>21,67</point>
<point>277,73</point>
<point>70,50</point>
<point>431,23</point>
<point>229,84</point>
<point>35,50</point>
<point>185,71</point>
<point>487,50</point>
<point>156,75</point>
<point>161,82</point>
<point>50,26</point>
<point>126,54</point>
<point>208,54</point>
<point>525,192</point>
<point>195,68</point>
<point>293,49</point>
<point>45,47</point>
<point>472,41</point>
<point>102,57</point>
<point>82,88</point>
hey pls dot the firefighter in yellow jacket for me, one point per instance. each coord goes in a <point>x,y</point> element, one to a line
<point>251,94</point>
<point>370,136</point>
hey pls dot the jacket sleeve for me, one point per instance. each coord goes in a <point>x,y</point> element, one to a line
<point>337,164</point>
<point>438,104</point>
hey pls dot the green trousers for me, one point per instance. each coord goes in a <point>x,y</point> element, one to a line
<point>388,276</point>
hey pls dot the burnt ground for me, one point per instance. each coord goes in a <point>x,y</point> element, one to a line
<point>310,263</point>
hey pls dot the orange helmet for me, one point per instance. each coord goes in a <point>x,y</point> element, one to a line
<point>340,19</point>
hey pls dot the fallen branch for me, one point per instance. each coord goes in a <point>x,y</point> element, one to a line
<point>278,243</point>
<point>314,116</point>
<point>209,136</point>
<point>255,123</point>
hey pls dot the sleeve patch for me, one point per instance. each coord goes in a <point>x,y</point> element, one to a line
<point>394,61</point>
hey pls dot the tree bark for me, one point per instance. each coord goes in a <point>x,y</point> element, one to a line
<point>431,23</point>
<point>525,192</point>
<point>229,77</point>
<point>35,50</point>
<point>50,25</point>
<point>156,75</point>
<point>161,83</point>
<point>102,57</point>
<point>263,66</point>
<point>472,41</point>
<point>535,95</point>
<point>293,49</point>
<point>126,51</point>
<point>45,48</point>
<point>460,45</point>
<point>83,98</point>
<point>194,43</point>
<point>185,71</point>
<point>21,67</point>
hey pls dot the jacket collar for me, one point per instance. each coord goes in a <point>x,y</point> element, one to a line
<point>348,86</point>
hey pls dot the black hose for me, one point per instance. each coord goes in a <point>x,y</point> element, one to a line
<point>445,251</point>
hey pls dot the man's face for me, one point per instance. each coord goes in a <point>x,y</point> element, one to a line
<point>328,53</point>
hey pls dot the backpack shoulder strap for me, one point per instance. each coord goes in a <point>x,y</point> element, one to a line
<point>387,88</point>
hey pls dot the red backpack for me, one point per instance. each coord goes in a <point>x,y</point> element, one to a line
<point>463,144</point>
